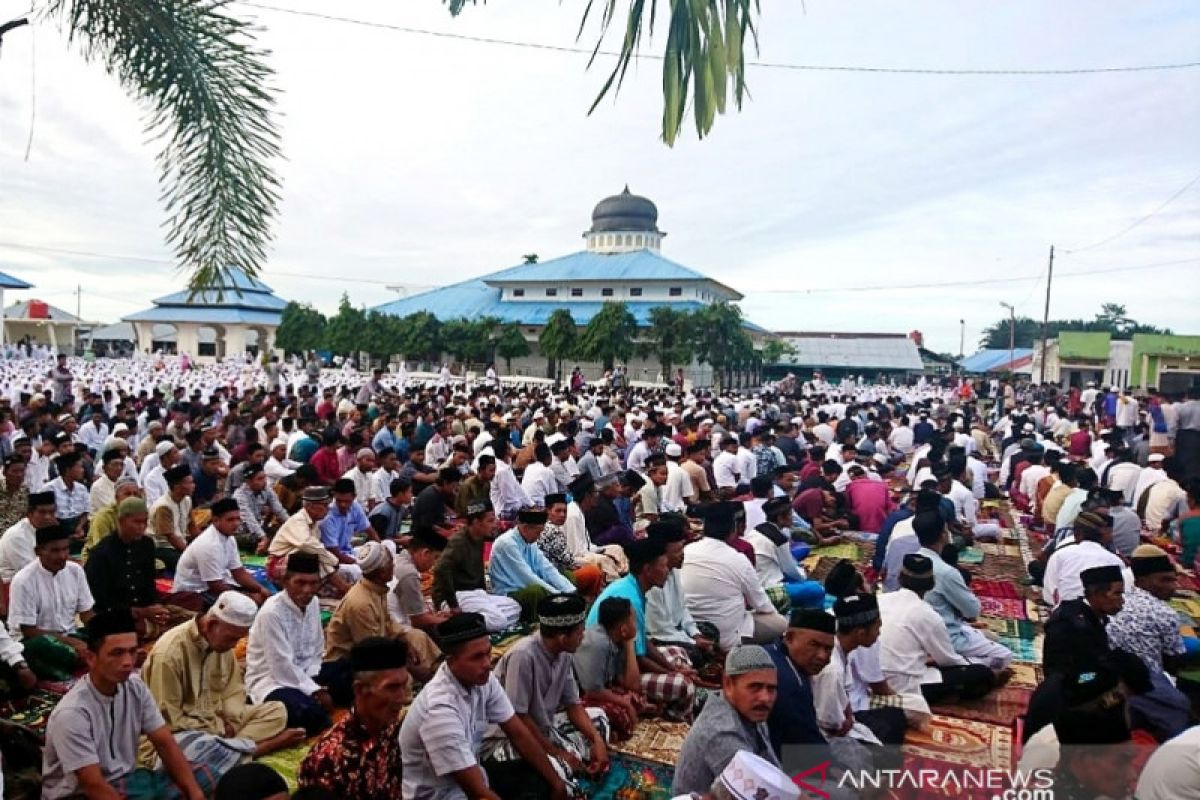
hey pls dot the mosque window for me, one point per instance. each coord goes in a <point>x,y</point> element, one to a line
<point>606,292</point>
<point>635,291</point>
<point>518,292</point>
<point>552,293</point>
<point>576,292</point>
<point>675,291</point>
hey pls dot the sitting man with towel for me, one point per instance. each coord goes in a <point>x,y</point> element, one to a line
<point>459,581</point>
<point>302,534</point>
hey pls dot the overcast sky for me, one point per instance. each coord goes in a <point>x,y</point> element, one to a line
<point>419,160</point>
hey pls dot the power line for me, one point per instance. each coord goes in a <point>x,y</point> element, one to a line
<point>1137,222</point>
<point>984,281</point>
<point>462,37</point>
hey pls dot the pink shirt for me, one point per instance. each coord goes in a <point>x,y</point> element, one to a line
<point>869,500</point>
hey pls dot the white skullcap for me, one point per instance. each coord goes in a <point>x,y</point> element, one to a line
<point>674,450</point>
<point>280,442</point>
<point>120,427</point>
<point>164,447</point>
<point>234,608</point>
<point>364,452</point>
<point>751,777</point>
<point>371,556</point>
<point>1156,458</point>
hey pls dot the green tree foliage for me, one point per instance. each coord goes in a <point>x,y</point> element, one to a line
<point>207,87</point>
<point>510,344</point>
<point>469,341</point>
<point>773,350</point>
<point>558,340</point>
<point>610,336</point>
<point>384,336</point>
<point>670,338</point>
<point>1112,319</point>
<point>704,53</point>
<point>721,340</point>
<point>301,329</point>
<point>345,333</point>
<point>421,336</point>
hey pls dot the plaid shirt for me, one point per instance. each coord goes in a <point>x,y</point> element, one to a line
<point>254,507</point>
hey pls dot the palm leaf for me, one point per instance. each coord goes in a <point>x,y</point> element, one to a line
<point>206,88</point>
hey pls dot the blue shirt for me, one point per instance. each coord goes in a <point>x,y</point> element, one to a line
<point>885,534</point>
<point>951,598</point>
<point>385,438</point>
<point>337,528</point>
<point>516,564</point>
<point>628,588</point>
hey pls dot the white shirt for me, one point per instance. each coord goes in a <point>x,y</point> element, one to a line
<point>381,484</point>
<point>537,482</point>
<point>722,589</point>
<point>92,436</point>
<point>747,465</point>
<point>636,460</point>
<point>1163,496</point>
<point>154,486</point>
<point>575,531</point>
<point>912,633</point>
<point>677,487</point>
<point>212,556</point>
<point>103,493</point>
<point>824,433</point>
<point>1062,582</point>
<point>1173,771</point>
<point>1030,478</point>
<point>725,470</point>
<point>506,494</point>
<point>1149,477</point>
<point>362,486</point>
<point>769,560</point>
<point>978,477</point>
<point>831,699</point>
<point>70,503</point>
<point>901,439</point>
<point>754,512</point>
<point>276,471</point>
<point>286,644</point>
<point>16,549</point>
<point>46,600</point>
<point>965,507</point>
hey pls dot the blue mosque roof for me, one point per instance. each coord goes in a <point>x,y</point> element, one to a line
<point>238,298</point>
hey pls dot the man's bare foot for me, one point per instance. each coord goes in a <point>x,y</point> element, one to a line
<point>285,738</point>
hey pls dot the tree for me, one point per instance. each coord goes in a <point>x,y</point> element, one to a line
<point>383,336</point>
<point>510,344</point>
<point>207,88</point>
<point>469,341</point>
<point>345,333</point>
<point>609,337</point>
<point>421,336</point>
<point>301,329</point>
<point>721,340</point>
<point>669,338</point>
<point>1112,320</point>
<point>773,350</point>
<point>530,258</point>
<point>1113,315</point>
<point>557,341</point>
<point>705,52</point>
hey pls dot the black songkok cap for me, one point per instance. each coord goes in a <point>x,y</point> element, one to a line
<point>813,619</point>
<point>843,579</point>
<point>562,610</point>
<point>1101,576</point>
<point>110,623</point>
<point>775,506</point>
<point>428,537</point>
<point>53,533</point>
<point>551,499</point>
<point>856,609</point>
<point>304,563</point>
<point>38,499</point>
<point>532,516</point>
<point>224,506</point>
<point>461,628</point>
<point>378,653</point>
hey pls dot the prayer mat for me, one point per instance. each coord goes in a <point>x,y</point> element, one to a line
<point>1003,607</point>
<point>655,740</point>
<point>252,560</point>
<point>992,549</point>
<point>970,555</point>
<point>1187,606</point>
<point>1188,582</point>
<point>503,641</point>
<point>629,777</point>
<point>287,762</point>
<point>848,550</point>
<point>961,741</point>
<point>983,587</point>
<point>940,779</point>
<point>163,585</point>
<point>1000,707</point>
<point>1023,649</point>
<point>1026,676</point>
<point>31,713</point>
<point>1020,628</point>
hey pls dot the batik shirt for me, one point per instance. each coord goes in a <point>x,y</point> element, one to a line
<point>1146,627</point>
<point>354,765</point>
<point>553,544</point>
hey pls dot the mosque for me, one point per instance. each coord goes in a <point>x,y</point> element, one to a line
<point>621,261</point>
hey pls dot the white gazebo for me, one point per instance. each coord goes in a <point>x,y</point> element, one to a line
<point>43,324</point>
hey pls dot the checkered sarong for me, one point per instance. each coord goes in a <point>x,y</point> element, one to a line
<point>675,693</point>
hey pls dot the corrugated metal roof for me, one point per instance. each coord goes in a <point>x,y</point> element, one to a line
<point>996,360</point>
<point>899,353</point>
<point>203,315</point>
<point>638,265</point>
<point>9,282</point>
<point>19,311</point>
<point>1088,345</point>
<point>123,332</point>
<point>229,298</point>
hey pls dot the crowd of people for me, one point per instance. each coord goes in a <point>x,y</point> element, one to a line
<point>650,541</point>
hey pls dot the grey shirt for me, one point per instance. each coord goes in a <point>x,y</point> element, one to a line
<point>715,738</point>
<point>1127,530</point>
<point>408,587</point>
<point>90,728</point>
<point>596,661</point>
<point>537,683</point>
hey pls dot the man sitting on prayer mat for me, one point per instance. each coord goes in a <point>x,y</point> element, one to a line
<point>92,735</point>
<point>121,572</point>
<point>211,564</point>
<point>198,683</point>
<point>1089,548</point>
<point>171,516</point>
<point>804,652</point>
<point>913,635</point>
<point>302,534</point>
<point>538,678</point>
<point>781,577</point>
<point>954,601</point>
<point>668,623</point>
<point>407,602</point>
<point>520,570</point>
<point>261,511</point>
<point>363,614</point>
<point>732,720</point>
<point>1096,751</point>
<point>359,758</point>
<point>283,659</point>
<point>16,545</point>
<point>441,737</point>
<point>104,521</point>
<point>459,581</point>
<point>587,578</point>
<point>665,674</point>
<point>46,596</point>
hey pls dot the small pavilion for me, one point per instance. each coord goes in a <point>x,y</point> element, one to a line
<point>237,315</point>
<point>8,282</point>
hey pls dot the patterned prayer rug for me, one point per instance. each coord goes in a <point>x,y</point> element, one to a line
<point>32,713</point>
<point>1024,649</point>
<point>1026,676</point>
<point>1000,707</point>
<point>848,550</point>
<point>655,740</point>
<point>961,741</point>
<point>287,761</point>
<point>984,587</point>
<point>992,549</point>
<point>630,777</point>
<point>1003,607</point>
<point>1186,605</point>
<point>969,556</point>
<point>1020,628</point>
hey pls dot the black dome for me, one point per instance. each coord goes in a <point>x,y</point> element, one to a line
<point>625,212</point>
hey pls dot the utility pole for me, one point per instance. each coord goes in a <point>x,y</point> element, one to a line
<point>1046,317</point>
<point>962,337</point>
<point>78,300</point>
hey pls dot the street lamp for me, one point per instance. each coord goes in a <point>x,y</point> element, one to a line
<point>1012,334</point>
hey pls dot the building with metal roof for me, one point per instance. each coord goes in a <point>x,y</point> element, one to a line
<point>838,354</point>
<point>36,322</point>
<point>622,262</point>
<point>1017,360</point>
<point>1075,358</point>
<point>241,313</point>
<point>8,282</point>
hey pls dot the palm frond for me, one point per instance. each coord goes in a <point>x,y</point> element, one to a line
<point>206,88</point>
